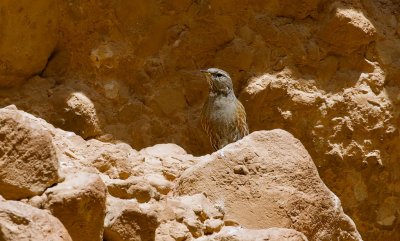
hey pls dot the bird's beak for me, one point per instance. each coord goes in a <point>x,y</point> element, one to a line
<point>205,72</point>
<point>208,76</point>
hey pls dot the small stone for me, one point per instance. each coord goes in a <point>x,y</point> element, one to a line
<point>213,226</point>
<point>241,169</point>
<point>19,221</point>
<point>37,201</point>
<point>179,232</point>
<point>81,116</point>
<point>195,226</point>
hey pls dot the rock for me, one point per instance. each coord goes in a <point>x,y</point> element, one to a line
<point>112,89</point>
<point>196,213</point>
<point>355,29</point>
<point>125,220</point>
<point>37,201</point>
<point>213,226</point>
<point>231,222</point>
<point>283,187</point>
<point>115,161</point>
<point>241,169</point>
<point>19,221</point>
<point>169,160</point>
<point>80,116</point>
<point>163,150</point>
<point>387,212</point>
<point>162,185</point>
<point>134,187</point>
<point>271,234</point>
<point>173,231</point>
<point>169,100</point>
<point>39,22</point>
<point>80,204</point>
<point>300,10</point>
<point>195,226</point>
<point>28,158</point>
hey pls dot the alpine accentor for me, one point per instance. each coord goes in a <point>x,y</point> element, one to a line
<point>223,116</point>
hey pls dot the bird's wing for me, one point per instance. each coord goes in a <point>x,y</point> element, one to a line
<point>204,120</point>
<point>241,120</point>
<point>209,128</point>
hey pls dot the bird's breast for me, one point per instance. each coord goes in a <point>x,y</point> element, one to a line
<point>221,109</point>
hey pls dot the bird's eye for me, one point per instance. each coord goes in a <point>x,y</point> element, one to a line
<point>219,75</point>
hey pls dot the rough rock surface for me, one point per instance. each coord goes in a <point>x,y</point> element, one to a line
<point>126,221</point>
<point>22,222</point>
<point>28,159</point>
<point>271,234</point>
<point>130,194</point>
<point>22,56</point>
<point>326,71</point>
<point>270,168</point>
<point>80,204</point>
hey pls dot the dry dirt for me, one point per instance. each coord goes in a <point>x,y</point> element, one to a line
<point>127,72</point>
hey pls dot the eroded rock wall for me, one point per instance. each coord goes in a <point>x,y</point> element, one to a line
<point>326,71</point>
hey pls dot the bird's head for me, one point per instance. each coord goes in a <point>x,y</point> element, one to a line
<point>219,81</point>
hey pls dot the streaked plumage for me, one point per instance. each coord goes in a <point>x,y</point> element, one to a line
<point>223,116</point>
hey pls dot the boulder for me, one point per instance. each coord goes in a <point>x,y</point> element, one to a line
<point>19,221</point>
<point>267,180</point>
<point>80,204</point>
<point>28,158</point>
<point>127,221</point>
<point>30,34</point>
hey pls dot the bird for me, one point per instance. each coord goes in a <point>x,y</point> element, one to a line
<point>223,116</point>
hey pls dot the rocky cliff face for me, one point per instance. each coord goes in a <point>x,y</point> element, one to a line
<point>326,71</point>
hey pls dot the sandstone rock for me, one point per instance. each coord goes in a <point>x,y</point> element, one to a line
<point>81,116</point>
<point>125,220</point>
<point>168,160</point>
<point>347,29</point>
<point>19,221</point>
<point>196,213</point>
<point>80,204</point>
<point>386,213</point>
<point>162,185</point>
<point>272,234</point>
<point>163,150</point>
<point>213,226</point>
<point>39,22</point>
<point>28,158</point>
<point>283,187</point>
<point>134,187</point>
<point>300,10</point>
<point>173,231</point>
<point>116,161</point>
